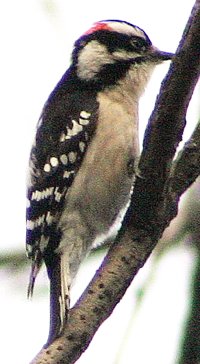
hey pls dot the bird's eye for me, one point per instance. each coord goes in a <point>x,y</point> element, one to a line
<point>138,44</point>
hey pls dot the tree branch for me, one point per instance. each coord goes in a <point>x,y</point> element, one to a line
<point>184,171</point>
<point>186,167</point>
<point>146,218</point>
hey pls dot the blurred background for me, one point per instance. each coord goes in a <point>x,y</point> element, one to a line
<point>158,319</point>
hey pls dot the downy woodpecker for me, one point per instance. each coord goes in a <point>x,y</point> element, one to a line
<point>82,162</point>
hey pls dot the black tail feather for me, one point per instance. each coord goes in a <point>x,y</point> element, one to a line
<point>36,265</point>
<point>59,298</point>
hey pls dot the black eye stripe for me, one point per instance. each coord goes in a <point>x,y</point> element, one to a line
<point>139,44</point>
<point>115,41</point>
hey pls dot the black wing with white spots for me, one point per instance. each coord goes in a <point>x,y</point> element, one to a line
<point>64,130</point>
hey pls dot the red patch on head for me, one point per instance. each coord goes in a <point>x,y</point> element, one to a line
<point>96,27</point>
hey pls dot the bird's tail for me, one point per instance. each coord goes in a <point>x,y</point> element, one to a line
<point>59,296</point>
<point>36,265</point>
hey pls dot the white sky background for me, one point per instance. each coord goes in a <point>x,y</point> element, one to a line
<point>35,52</point>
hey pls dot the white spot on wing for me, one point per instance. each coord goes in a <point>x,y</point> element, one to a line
<point>47,167</point>
<point>82,146</point>
<point>67,174</point>
<point>31,225</point>
<point>49,218</point>
<point>85,114</point>
<point>57,194</point>
<point>84,117</point>
<point>39,195</point>
<point>48,192</point>
<point>36,195</point>
<point>84,121</point>
<point>62,137</point>
<point>76,129</point>
<point>72,157</point>
<point>64,159</point>
<point>54,161</point>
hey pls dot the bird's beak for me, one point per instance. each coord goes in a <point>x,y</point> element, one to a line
<point>159,56</point>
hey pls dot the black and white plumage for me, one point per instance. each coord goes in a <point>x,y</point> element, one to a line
<point>82,160</point>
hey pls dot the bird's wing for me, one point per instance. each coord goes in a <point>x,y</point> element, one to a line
<point>64,130</point>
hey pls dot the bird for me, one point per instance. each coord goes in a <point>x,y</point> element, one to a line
<point>83,160</point>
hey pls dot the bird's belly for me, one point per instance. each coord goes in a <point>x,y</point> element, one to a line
<point>102,187</point>
<point>111,233</point>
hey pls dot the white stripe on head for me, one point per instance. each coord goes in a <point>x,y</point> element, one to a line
<point>125,28</point>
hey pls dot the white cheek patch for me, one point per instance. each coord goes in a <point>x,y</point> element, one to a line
<point>91,58</point>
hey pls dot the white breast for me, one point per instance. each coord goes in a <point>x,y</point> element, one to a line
<point>102,185</point>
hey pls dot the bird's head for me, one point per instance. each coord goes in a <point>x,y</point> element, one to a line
<point>110,49</point>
